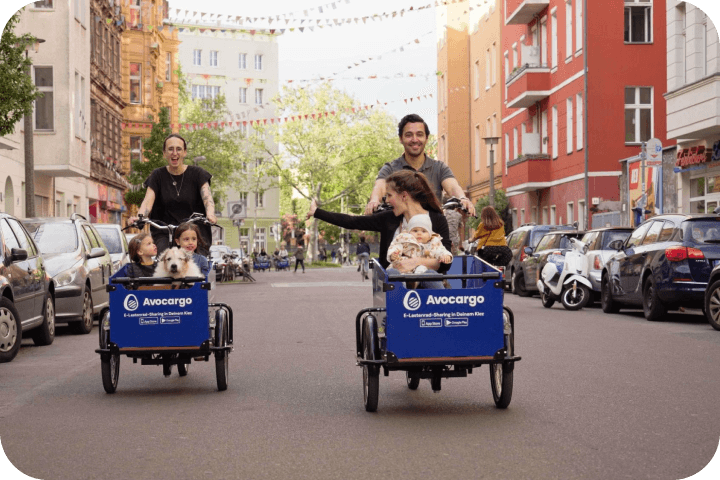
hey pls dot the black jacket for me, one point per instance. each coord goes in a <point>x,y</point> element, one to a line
<point>386,223</point>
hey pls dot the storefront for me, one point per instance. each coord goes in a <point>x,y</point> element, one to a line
<point>106,203</point>
<point>698,164</point>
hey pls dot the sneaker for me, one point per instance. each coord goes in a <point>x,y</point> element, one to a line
<point>358,268</point>
<point>367,278</point>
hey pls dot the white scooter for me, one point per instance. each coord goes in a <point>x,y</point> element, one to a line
<point>564,278</point>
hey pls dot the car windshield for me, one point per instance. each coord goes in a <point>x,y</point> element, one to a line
<point>612,235</point>
<point>548,241</point>
<point>53,238</point>
<point>536,236</point>
<point>111,238</point>
<point>702,230</point>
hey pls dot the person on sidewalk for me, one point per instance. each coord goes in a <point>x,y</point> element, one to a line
<point>299,259</point>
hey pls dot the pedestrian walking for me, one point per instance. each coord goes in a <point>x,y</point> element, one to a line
<point>299,259</point>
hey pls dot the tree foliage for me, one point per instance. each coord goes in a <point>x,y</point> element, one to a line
<point>152,158</point>
<point>332,155</point>
<point>17,90</point>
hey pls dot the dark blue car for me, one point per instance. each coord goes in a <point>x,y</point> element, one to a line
<point>664,264</point>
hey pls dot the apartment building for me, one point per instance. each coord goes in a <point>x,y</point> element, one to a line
<point>107,183</point>
<point>242,65</point>
<point>61,118</point>
<point>693,106</point>
<point>556,82</point>
<point>149,82</point>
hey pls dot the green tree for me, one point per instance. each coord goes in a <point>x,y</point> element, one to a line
<point>152,158</point>
<point>502,206</point>
<point>17,90</point>
<point>331,155</point>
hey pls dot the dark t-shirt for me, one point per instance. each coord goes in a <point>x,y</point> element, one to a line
<point>136,270</point>
<point>362,248</point>
<point>175,203</point>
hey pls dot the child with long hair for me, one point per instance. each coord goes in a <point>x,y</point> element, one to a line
<point>142,249</point>
<point>490,234</point>
<point>187,237</point>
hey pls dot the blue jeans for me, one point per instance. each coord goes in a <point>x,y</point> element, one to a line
<point>364,257</point>
<point>430,284</point>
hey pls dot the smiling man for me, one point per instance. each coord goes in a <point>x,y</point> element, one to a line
<point>413,133</point>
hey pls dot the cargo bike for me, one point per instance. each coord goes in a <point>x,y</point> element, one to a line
<point>164,321</point>
<point>437,333</point>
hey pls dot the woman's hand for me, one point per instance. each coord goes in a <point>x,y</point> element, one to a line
<point>313,207</point>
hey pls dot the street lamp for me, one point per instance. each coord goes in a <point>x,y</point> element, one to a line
<point>29,152</point>
<point>490,141</point>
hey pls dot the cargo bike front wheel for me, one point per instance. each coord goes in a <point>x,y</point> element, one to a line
<point>501,374</point>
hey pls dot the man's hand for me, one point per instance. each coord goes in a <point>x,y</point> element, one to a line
<point>468,205</point>
<point>211,218</point>
<point>371,207</point>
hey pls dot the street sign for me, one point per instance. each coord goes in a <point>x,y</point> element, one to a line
<point>237,209</point>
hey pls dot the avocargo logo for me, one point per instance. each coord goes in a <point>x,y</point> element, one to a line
<point>131,303</point>
<point>412,300</point>
<point>180,302</point>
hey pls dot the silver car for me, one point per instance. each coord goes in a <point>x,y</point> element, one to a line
<point>116,243</point>
<point>597,241</point>
<point>79,264</point>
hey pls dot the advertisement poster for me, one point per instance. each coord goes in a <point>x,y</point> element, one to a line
<point>649,203</point>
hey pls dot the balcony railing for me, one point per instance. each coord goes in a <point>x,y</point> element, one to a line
<point>525,12</point>
<point>527,85</point>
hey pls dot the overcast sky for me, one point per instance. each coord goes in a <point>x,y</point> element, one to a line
<point>330,50</point>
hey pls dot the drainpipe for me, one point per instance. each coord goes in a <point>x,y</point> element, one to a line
<point>585,116</point>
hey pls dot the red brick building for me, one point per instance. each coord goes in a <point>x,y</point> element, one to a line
<point>546,101</point>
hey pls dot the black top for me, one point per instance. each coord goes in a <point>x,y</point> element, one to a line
<point>136,270</point>
<point>387,224</point>
<point>172,208</point>
<point>362,247</point>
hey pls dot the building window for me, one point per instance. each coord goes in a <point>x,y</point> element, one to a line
<point>258,62</point>
<point>136,153</point>
<point>638,114</point>
<point>494,63</point>
<point>478,149</point>
<point>569,125</point>
<point>135,13</point>
<point>552,215</point>
<point>258,96</point>
<point>44,4</point>
<point>243,129</point>
<point>581,214</point>
<point>507,147</point>
<point>544,131</point>
<point>545,216</point>
<point>197,57</point>
<point>638,21</point>
<point>213,58</point>
<point>168,66</point>
<point>477,79</point>
<point>580,130</point>
<point>570,213</point>
<point>568,30</point>
<point>488,133</point>
<point>516,147</point>
<point>242,61</point>
<point>260,239</point>
<point>205,92</point>
<point>578,25</point>
<point>44,106</point>
<point>534,216</point>
<point>554,40</point>
<point>543,43</point>
<point>487,69</point>
<point>243,95</point>
<point>135,82</point>
<point>554,132</point>
<point>259,199</point>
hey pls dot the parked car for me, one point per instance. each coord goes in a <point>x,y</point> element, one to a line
<point>27,302</point>
<point>116,243</point>
<point>663,265</point>
<point>79,264</point>
<point>555,242</point>
<point>216,256</point>
<point>597,241</point>
<point>527,235</point>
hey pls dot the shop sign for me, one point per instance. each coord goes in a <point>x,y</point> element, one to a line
<point>697,155</point>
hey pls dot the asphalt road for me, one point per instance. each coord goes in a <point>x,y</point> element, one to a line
<point>595,396</point>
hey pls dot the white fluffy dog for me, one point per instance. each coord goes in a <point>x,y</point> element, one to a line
<point>176,263</point>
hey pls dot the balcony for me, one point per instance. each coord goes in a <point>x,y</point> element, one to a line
<point>527,86</point>
<point>525,12</point>
<point>693,111</point>
<point>528,173</point>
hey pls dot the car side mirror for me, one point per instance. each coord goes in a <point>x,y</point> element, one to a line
<point>528,250</point>
<point>96,252</point>
<point>18,255</point>
<point>616,245</point>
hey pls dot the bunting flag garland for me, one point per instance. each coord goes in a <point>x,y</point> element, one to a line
<point>251,81</point>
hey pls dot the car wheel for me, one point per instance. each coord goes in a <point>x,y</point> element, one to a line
<point>712,305</point>
<point>45,333</point>
<point>10,330</point>
<point>519,285</point>
<point>652,305</point>
<point>606,300</point>
<point>84,326</point>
